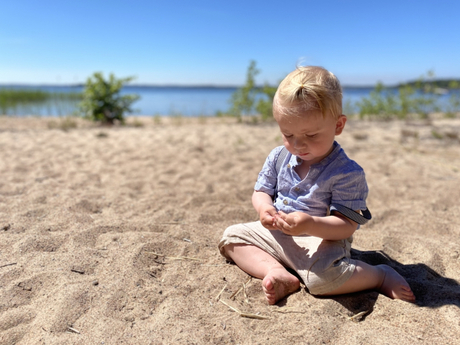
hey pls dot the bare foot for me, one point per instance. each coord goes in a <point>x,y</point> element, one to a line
<point>395,286</point>
<point>278,283</point>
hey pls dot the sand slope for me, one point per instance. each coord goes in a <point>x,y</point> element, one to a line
<point>109,235</point>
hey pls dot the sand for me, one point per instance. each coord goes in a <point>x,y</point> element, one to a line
<point>109,235</point>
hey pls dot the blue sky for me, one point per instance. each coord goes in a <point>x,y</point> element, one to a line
<point>212,42</point>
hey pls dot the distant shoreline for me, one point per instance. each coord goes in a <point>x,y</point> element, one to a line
<point>435,82</point>
<point>159,86</point>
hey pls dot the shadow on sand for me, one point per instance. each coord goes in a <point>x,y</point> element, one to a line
<point>430,288</point>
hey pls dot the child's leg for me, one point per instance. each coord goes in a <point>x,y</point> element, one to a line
<point>382,278</point>
<point>277,281</point>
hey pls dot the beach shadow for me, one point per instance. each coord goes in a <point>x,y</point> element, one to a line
<point>431,289</point>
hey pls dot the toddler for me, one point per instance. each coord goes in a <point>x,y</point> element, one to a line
<point>310,205</point>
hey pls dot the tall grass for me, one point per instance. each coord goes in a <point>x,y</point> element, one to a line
<point>416,99</point>
<point>32,102</point>
<point>387,103</point>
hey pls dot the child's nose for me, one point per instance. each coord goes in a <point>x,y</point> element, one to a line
<point>298,143</point>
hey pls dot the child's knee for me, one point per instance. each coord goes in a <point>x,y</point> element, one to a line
<point>321,280</point>
<point>233,235</point>
<point>231,230</point>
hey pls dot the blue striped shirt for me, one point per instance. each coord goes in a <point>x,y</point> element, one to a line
<point>335,180</point>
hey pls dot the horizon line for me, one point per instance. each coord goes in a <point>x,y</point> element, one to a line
<point>185,86</point>
<point>207,86</point>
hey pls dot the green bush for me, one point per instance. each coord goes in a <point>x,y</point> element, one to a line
<point>454,100</point>
<point>250,99</point>
<point>243,99</point>
<point>265,105</point>
<point>102,100</point>
<point>381,103</point>
<point>419,98</point>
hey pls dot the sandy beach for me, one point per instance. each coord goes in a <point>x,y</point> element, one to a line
<point>108,235</point>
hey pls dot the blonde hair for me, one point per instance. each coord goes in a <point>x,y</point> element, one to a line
<point>309,88</point>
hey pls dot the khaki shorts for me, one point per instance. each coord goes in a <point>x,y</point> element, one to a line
<point>322,265</point>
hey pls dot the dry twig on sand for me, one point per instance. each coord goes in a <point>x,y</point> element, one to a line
<point>287,310</point>
<point>174,257</point>
<point>182,258</point>
<point>243,288</point>
<point>11,264</point>
<point>357,317</point>
<point>221,291</point>
<point>244,314</point>
<point>236,293</point>
<point>246,298</point>
<point>72,330</point>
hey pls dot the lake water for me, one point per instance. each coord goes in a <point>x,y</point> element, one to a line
<point>166,101</point>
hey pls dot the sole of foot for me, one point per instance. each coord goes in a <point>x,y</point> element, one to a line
<point>395,286</point>
<point>279,283</point>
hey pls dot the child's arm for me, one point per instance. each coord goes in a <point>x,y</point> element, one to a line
<point>263,204</point>
<point>334,227</point>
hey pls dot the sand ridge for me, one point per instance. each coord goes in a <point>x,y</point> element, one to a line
<point>109,235</point>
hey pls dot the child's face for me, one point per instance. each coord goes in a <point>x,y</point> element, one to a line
<point>308,134</point>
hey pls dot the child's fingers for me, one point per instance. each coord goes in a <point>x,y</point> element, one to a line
<point>268,222</point>
<point>282,215</point>
<point>273,212</point>
<point>282,225</point>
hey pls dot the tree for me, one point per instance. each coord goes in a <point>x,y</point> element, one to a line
<point>102,100</point>
<point>265,104</point>
<point>419,97</point>
<point>243,101</point>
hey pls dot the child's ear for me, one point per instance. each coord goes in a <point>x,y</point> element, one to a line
<point>340,124</point>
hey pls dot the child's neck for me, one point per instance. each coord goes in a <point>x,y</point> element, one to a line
<point>302,169</point>
<point>304,166</point>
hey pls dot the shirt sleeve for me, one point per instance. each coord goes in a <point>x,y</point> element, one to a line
<point>350,190</point>
<point>267,179</point>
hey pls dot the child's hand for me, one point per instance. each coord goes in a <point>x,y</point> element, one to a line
<point>267,216</point>
<point>294,224</point>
